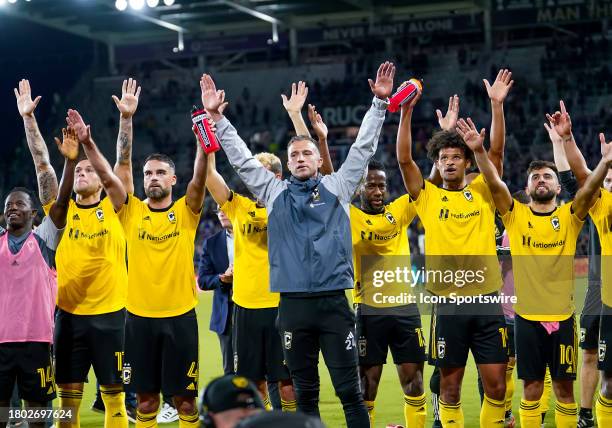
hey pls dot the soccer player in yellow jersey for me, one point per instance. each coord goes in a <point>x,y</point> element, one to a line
<point>543,243</point>
<point>458,218</point>
<point>92,286</point>
<point>382,229</point>
<point>256,342</point>
<point>161,330</point>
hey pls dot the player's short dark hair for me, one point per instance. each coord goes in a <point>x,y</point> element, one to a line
<point>302,138</point>
<point>539,164</point>
<point>376,165</point>
<point>31,195</point>
<point>444,140</point>
<point>162,158</point>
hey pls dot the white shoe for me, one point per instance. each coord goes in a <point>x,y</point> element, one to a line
<point>168,414</point>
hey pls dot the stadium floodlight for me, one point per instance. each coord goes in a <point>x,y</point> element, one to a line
<point>121,5</point>
<point>2,2</point>
<point>12,1</point>
<point>136,4</point>
<point>168,2</point>
<point>152,3</point>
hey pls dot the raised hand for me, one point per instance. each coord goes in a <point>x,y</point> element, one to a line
<point>552,133</point>
<point>25,105</point>
<point>606,148</point>
<point>75,121</point>
<point>470,135</point>
<point>561,121</point>
<point>299,93</point>
<point>383,86</point>
<point>130,92</point>
<point>501,86</point>
<point>69,146</point>
<point>319,127</point>
<point>448,122</point>
<point>212,99</point>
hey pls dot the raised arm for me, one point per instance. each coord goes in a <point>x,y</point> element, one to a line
<point>260,181</point>
<point>69,148</point>
<point>127,105</point>
<point>589,192</point>
<point>411,174</point>
<point>320,129</point>
<point>475,141</point>
<point>355,165</point>
<point>196,189</point>
<point>111,183</point>
<point>566,178</point>
<point>562,124</point>
<point>294,105</point>
<point>45,174</point>
<point>497,94</point>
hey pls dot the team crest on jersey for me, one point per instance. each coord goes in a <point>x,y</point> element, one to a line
<point>172,217</point>
<point>287,339</point>
<point>390,217</point>
<point>126,374</point>
<point>468,195</point>
<point>602,351</point>
<point>361,345</point>
<point>556,224</point>
<point>441,348</point>
<point>100,214</point>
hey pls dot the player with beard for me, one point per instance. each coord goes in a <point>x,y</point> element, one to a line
<point>29,286</point>
<point>310,249</point>
<point>458,218</point>
<point>543,244</point>
<point>161,331</point>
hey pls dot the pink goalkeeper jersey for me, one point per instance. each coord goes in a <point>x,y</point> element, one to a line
<point>28,290</point>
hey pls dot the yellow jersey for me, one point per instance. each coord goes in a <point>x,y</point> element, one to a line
<point>601,214</point>
<point>161,278</point>
<point>91,260</point>
<point>251,288</point>
<point>384,234</point>
<point>543,246</point>
<point>459,239</point>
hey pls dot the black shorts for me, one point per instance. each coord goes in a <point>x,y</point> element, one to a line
<point>323,321</point>
<point>161,354</point>
<point>536,349</point>
<point>510,327</point>
<point>457,329</point>
<point>85,340</point>
<point>29,364</point>
<point>605,339</point>
<point>258,351</point>
<point>589,331</point>
<point>378,333</point>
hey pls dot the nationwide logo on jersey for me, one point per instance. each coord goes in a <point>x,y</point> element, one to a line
<point>441,348</point>
<point>368,222</point>
<point>390,217</point>
<point>287,338</point>
<point>602,351</point>
<point>555,223</point>
<point>468,195</point>
<point>100,214</point>
<point>444,198</point>
<point>76,217</point>
<point>172,217</point>
<point>444,214</point>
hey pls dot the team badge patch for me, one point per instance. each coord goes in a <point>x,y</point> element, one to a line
<point>390,217</point>
<point>582,335</point>
<point>441,348</point>
<point>602,351</point>
<point>361,345</point>
<point>287,338</point>
<point>555,223</point>
<point>468,195</point>
<point>100,214</point>
<point>172,217</point>
<point>126,374</point>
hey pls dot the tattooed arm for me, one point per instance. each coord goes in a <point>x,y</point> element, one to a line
<point>47,181</point>
<point>127,106</point>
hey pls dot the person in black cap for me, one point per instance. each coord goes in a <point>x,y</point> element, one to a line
<point>227,400</point>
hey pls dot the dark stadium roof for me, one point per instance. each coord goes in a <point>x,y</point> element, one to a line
<point>100,20</point>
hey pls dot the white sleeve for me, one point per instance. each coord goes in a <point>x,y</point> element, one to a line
<point>49,233</point>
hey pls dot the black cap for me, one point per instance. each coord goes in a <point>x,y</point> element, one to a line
<point>230,392</point>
